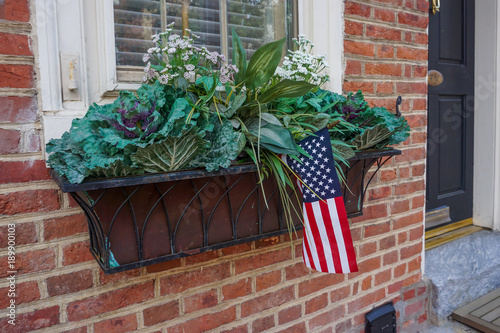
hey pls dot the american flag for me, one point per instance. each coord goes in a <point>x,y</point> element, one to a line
<point>327,245</point>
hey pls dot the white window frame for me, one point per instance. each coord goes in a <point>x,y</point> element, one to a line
<point>85,28</point>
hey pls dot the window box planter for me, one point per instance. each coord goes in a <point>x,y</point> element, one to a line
<point>143,220</point>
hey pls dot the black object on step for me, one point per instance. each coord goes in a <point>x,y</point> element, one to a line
<point>381,319</point>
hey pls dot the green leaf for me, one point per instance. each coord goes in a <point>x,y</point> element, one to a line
<point>273,137</point>
<point>116,169</point>
<point>224,146</point>
<point>342,151</point>
<point>269,118</point>
<point>235,104</point>
<point>174,153</point>
<point>371,136</point>
<point>286,89</point>
<point>263,64</point>
<point>239,58</point>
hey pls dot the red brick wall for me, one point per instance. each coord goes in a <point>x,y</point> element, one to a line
<point>252,287</point>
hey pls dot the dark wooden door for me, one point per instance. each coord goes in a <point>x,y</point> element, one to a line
<point>451,109</point>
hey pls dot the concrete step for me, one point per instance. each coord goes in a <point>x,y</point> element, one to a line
<point>461,272</point>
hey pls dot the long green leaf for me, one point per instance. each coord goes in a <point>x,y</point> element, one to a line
<point>286,88</point>
<point>239,58</point>
<point>263,64</point>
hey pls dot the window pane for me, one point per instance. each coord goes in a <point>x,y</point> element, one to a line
<point>135,22</point>
<point>256,21</point>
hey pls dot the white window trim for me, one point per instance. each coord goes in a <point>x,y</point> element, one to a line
<point>85,28</point>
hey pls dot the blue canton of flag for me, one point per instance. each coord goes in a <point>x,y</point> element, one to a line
<point>327,245</point>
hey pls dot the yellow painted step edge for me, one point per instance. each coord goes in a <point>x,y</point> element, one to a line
<point>450,236</point>
<point>447,228</point>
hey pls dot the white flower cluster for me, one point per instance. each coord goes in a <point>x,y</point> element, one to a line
<point>174,56</point>
<point>301,65</point>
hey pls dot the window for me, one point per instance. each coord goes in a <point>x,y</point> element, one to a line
<point>256,22</point>
<point>89,50</point>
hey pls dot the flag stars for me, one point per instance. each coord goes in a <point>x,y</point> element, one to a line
<point>323,148</point>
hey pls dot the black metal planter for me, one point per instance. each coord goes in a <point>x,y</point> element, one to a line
<point>143,220</point>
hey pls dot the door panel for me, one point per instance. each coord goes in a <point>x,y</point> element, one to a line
<point>451,109</point>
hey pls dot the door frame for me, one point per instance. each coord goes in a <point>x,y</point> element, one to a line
<point>486,192</point>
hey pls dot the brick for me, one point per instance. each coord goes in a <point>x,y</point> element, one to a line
<point>419,71</point>
<point>366,300</point>
<point>267,280</point>
<point>203,300</point>
<point>340,294</point>
<point>318,283</point>
<point>23,171</point>
<point>388,175</point>
<point>421,38</point>
<point>267,301</point>
<point>369,265</point>
<point>395,3</point>
<point>33,320</point>
<point>317,303</point>
<point>13,44</point>
<point>422,318</point>
<point>357,9</point>
<point>110,301</point>
<point>111,278</point>
<point>263,324</point>
<point>289,314</point>
<point>16,76</point>
<point>296,271</point>
<point>407,72</point>
<point>262,260</point>
<point>423,6</point>
<point>237,329</point>
<point>418,137</point>
<point>419,21</point>
<point>385,88</point>
<point>407,295</point>
<point>383,277</point>
<point>184,281</point>
<point>366,87</point>
<point>416,233</point>
<point>408,220</point>
<point>31,201</point>
<point>412,250</point>
<point>385,51</point>
<point>25,233</point>
<point>402,237</point>
<point>409,187</point>
<point>411,87</point>
<point>379,193</point>
<point>412,279</point>
<point>404,172</point>
<point>26,292</point>
<point>390,258</point>
<point>421,290</point>
<point>241,248</point>
<point>410,53</point>
<point>297,328</point>
<point>164,266</point>
<point>206,322</point>
<point>412,309</point>
<point>367,249</point>
<point>386,15</point>
<point>400,206</point>
<point>399,270</point>
<point>372,212</point>
<point>117,325</point>
<point>413,154</point>
<point>395,287</point>
<point>69,283</point>
<point>379,32</point>
<point>418,170</point>
<point>65,226</point>
<point>353,67</point>
<point>344,326</point>
<point>18,109</point>
<point>408,37</point>
<point>359,48</point>
<point>10,141</point>
<point>15,10</point>
<point>161,313</point>
<point>366,283</point>
<point>202,257</point>
<point>387,242</point>
<point>356,233</point>
<point>76,253</point>
<point>32,261</point>
<point>82,329</point>
<point>353,28</point>
<point>240,288</point>
<point>266,242</point>
<point>326,318</point>
<point>377,229</point>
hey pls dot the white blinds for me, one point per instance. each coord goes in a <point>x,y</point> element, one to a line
<point>256,21</point>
